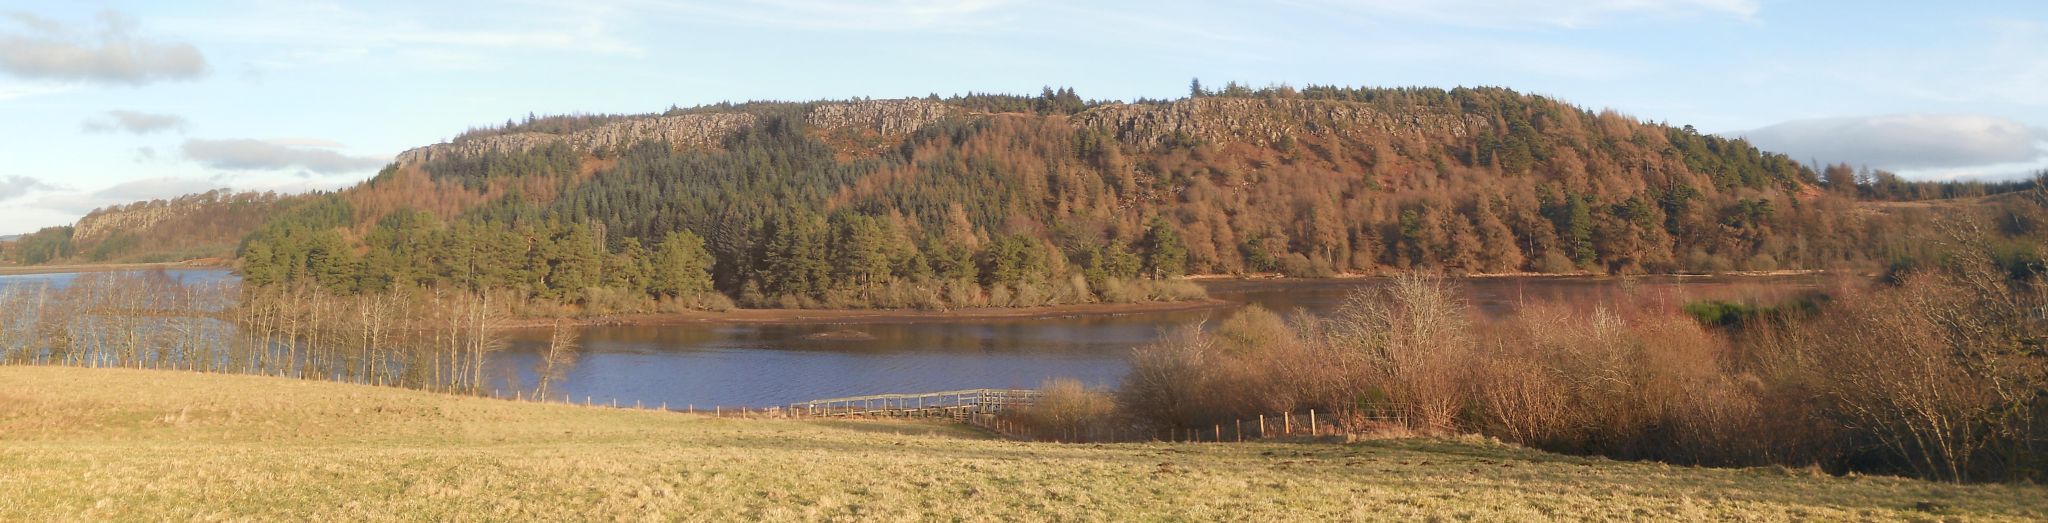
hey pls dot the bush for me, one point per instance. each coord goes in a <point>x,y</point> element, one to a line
<point>1068,411</point>
<point>1939,375</point>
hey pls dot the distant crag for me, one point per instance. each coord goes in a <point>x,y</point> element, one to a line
<point>884,117</point>
<point>1264,122</point>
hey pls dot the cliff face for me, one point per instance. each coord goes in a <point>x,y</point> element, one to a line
<point>105,222</point>
<point>887,117</point>
<point>1266,121</point>
<point>1215,120</point>
<point>690,130</point>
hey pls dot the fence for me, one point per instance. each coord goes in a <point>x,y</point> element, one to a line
<point>1311,423</point>
<point>994,410</point>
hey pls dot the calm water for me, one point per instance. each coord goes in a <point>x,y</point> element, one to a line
<point>766,365</point>
<point>61,279</point>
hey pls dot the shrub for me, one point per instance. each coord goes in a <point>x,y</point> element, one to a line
<point>1068,411</point>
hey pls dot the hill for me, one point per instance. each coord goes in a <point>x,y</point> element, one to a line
<point>128,444</point>
<point>999,200</point>
<point>208,225</point>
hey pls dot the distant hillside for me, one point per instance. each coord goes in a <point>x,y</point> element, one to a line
<point>937,202</point>
<point>843,202</point>
<point>205,225</point>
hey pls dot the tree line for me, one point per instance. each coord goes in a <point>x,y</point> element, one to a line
<point>426,339</point>
<point>1936,370</point>
<point>1027,207</point>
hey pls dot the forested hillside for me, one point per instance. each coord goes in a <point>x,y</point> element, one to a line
<point>206,225</point>
<point>994,200</point>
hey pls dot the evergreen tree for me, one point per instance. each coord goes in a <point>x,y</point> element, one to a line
<point>859,250</point>
<point>632,268</point>
<point>1578,230</point>
<point>681,266</point>
<point>1165,255</point>
<point>795,262</point>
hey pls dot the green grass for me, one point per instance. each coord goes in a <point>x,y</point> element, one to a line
<point>80,444</point>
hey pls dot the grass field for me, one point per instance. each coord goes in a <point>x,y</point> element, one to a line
<point>80,444</point>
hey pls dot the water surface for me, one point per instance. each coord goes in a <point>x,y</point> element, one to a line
<point>767,365</point>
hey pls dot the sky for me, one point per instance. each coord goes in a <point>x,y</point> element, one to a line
<point>107,102</point>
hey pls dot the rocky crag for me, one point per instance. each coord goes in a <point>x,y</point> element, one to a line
<point>885,117</point>
<point>1255,121</point>
<point>1264,122</point>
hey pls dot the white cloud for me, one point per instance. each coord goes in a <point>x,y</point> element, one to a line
<point>1938,145</point>
<point>1541,13</point>
<point>114,54</point>
<point>875,15</point>
<point>316,156</point>
<point>136,122</point>
<point>78,203</point>
<point>16,186</point>
<point>320,34</point>
<point>1903,141</point>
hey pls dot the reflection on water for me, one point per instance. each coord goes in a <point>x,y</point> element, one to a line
<point>60,279</point>
<point>765,365</point>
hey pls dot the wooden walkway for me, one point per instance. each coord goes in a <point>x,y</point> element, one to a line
<point>955,404</point>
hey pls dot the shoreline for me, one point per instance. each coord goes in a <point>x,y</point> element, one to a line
<point>25,270</point>
<point>873,316</point>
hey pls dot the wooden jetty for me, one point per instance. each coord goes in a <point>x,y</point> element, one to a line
<point>955,404</point>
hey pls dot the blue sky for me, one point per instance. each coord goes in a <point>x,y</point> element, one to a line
<point>105,102</point>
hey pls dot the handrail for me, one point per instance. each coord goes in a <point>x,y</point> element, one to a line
<point>977,399</point>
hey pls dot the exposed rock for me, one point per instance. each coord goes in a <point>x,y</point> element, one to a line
<point>689,130</point>
<point>105,222</point>
<point>1265,121</point>
<point>887,117</point>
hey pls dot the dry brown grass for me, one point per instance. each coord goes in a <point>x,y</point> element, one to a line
<point>111,444</point>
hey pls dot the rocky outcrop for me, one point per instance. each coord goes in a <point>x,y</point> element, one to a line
<point>887,117</point>
<point>689,130</point>
<point>1265,121</point>
<point>107,221</point>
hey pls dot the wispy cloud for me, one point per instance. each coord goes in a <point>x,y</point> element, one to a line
<point>114,53</point>
<point>311,34</point>
<point>130,191</point>
<point>1944,143</point>
<point>1543,13</point>
<point>135,122</point>
<point>874,15</point>
<point>252,155</point>
<point>16,186</point>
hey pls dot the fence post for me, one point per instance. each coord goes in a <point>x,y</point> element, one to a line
<point>1239,432</point>
<point>1218,438</point>
<point>1262,426</point>
<point>1312,427</point>
<point>1287,424</point>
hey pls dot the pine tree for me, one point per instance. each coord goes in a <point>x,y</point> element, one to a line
<point>859,251</point>
<point>1165,255</point>
<point>1578,230</point>
<point>681,266</point>
<point>795,262</point>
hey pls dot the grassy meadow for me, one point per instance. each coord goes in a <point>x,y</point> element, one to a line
<point>84,444</point>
